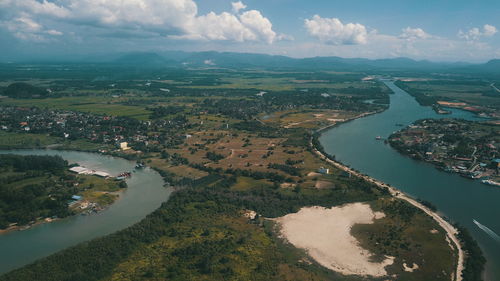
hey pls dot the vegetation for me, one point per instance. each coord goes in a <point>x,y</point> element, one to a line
<point>22,90</point>
<point>230,142</point>
<point>474,260</point>
<point>32,187</point>
<point>36,187</point>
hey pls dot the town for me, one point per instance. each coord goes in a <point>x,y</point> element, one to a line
<point>458,146</point>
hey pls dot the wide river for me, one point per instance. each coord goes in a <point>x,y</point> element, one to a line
<point>462,200</point>
<point>144,194</point>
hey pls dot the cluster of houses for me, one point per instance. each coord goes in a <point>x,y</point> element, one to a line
<point>443,142</point>
<point>95,128</point>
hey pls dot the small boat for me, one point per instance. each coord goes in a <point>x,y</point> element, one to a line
<point>378,137</point>
<point>125,175</point>
<point>139,165</point>
<point>490,182</point>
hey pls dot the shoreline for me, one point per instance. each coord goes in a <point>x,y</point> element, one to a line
<point>50,220</point>
<point>451,231</point>
<point>47,220</point>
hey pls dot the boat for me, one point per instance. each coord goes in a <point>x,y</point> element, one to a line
<point>491,182</point>
<point>123,176</point>
<point>378,137</point>
<point>488,231</point>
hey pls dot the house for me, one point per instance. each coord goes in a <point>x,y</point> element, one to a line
<point>124,146</point>
<point>323,171</point>
<point>101,174</point>
<point>76,197</point>
<point>80,170</point>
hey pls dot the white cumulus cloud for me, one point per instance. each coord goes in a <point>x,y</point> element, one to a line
<point>476,33</point>
<point>172,18</point>
<point>414,33</point>
<point>237,6</point>
<point>26,28</point>
<point>333,31</point>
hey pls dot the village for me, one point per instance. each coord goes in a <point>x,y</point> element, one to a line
<point>99,129</point>
<point>457,146</point>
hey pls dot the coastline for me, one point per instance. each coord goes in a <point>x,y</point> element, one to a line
<point>451,231</point>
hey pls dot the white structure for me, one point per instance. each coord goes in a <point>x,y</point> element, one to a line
<point>323,171</point>
<point>124,146</point>
<point>101,174</point>
<point>81,170</point>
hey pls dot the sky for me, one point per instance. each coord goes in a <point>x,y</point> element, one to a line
<point>437,30</point>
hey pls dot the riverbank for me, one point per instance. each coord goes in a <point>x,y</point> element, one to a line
<point>144,194</point>
<point>451,231</point>
<point>456,146</point>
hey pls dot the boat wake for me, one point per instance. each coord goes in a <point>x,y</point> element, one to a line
<point>488,231</point>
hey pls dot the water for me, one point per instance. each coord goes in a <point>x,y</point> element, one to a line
<point>144,194</point>
<point>458,198</point>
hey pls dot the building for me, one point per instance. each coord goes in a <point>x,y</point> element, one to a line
<point>101,174</point>
<point>80,170</point>
<point>323,171</point>
<point>124,146</point>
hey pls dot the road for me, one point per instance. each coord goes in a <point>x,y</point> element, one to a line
<point>451,231</point>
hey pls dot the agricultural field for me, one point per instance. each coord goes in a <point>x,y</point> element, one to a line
<point>236,147</point>
<point>477,95</point>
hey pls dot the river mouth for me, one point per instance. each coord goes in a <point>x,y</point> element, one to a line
<point>354,144</point>
<point>145,193</point>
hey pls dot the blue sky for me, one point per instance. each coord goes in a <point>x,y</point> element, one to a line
<point>436,30</point>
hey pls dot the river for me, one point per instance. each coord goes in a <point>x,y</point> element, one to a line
<point>462,200</point>
<point>144,194</point>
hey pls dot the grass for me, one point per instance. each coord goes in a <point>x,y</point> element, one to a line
<point>246,183</point>
<point>23,141</point>
<point>277,84</point>
<point>98,183</point>
<point>410,240</point>
<point>234,247</point>
<point>472,94</point>
<point>91,104</point>
<point>99,197</point>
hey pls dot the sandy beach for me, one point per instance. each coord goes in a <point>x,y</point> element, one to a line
<point>326,236</point>
<point>451,231</point>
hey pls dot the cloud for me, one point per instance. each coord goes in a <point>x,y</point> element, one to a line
<point>475,33</point>
<point>237,6</point>
<point>178,19</point>
<point>333,31</point>
<point>489,30</point>
<point>25,28</point>
<point>414,34</point>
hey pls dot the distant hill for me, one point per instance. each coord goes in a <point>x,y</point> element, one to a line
<point>24,90</point>
<point>146,59</point>
<point>492,65</point>
<point>250,60</point>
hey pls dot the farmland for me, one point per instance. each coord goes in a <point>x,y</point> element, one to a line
<point>231,143</point>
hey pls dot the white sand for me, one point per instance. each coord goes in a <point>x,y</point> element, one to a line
<point>325,234</point>
<point>410,268</point>
<point>451,231</point>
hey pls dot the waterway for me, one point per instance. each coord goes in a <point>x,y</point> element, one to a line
<point>144,194</point>
<point>460,199</point>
